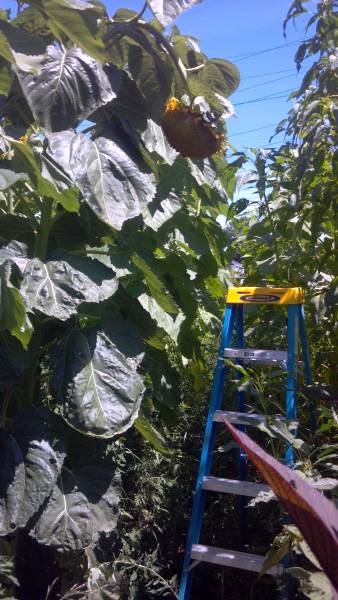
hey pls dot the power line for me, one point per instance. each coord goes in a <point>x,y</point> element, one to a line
<point>274,96</point>
<point>269,73</point>
<point>265,83</point>
<point>256,129</point>
<point>262,99</point>
<point>239,57</point>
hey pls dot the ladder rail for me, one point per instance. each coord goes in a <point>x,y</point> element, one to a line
<point>241,455</point>
<point>205,461</point>
<point>234,323</point>
<point>290,408</point>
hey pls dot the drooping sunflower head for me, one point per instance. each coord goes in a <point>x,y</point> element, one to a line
<point>189,132</point>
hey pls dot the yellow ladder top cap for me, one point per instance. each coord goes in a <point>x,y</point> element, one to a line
<point>265,295</point>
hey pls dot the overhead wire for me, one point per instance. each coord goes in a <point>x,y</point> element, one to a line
<point>265,83</point>
<point>255,129</point>
<point>275,96</point>
<point>244,56</point>
<point>266,74</point>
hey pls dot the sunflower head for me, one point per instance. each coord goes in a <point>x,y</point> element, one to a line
<point>188,132</point>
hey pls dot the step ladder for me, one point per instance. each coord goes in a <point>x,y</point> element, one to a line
<point>233,322</point>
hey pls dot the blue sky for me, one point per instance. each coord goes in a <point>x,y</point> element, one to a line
<point>231,29</point>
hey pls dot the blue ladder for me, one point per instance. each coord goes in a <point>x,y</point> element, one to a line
<point>234,322</point>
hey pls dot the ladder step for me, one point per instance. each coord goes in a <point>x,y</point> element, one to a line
<point>241,418</point>
<point>248,355</point>
<point>231,558</point>
<point>234,486</point>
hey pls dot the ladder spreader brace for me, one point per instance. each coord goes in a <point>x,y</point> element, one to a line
<point>233,321</point>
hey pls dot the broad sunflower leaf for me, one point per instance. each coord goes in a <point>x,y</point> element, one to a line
<point>12,483</point>
<point>82,504</point>
<point>113,179</point>
<point>155,285</point>
<point>68,86</point>
<point>39,434</point>
<point>79,21</point>
<point>155,141</point>
<point>220,76</point>
<point>12,308</point>
<point>97,386</point>
<point>152,71</point>
<point>9,178</point>
<point>57,287</point>
<point>15,252</point>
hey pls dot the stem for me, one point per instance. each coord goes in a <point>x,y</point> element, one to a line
<point>162,41</point>
<point>44,229</point>
<point>145,568</point>
<point>273,229</point>
<point>10,202</point>
<point>4,406</point>
<point>139,14</point>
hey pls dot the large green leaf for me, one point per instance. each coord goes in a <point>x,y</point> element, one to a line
<point>152,72</point>
<point>12,483</point>
<point>129,104</point>
<point>20,46</point>
<point>113,179</point>
<point>12,309</point>
<point>45,181</point>
<point>67,88</point>
<point>13,360</point>
<point>5,77</point>
<point>79,21</point>
<point>83,504</point>
<point>151,434</point>
<point>220,76</point>
<point>68,195</point>
<point>15,252</point>
<point>97,385</point>
<point>170,324</point>
<point>155,141</point>
<point>41,439</point>
<point>9,178</point>
<point>57,287</point>
<point>166,11</point>
<point>155,285</point>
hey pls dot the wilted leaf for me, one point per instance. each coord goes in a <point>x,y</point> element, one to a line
<point>57,287</point>
<point>166,11</point>
<point>114,182</point>
<point>97,385</point>
<point>68,87</point>
<point>314,515</point>
<point>12,483</point>
<point>315,586</point>
<point>83,503</point>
